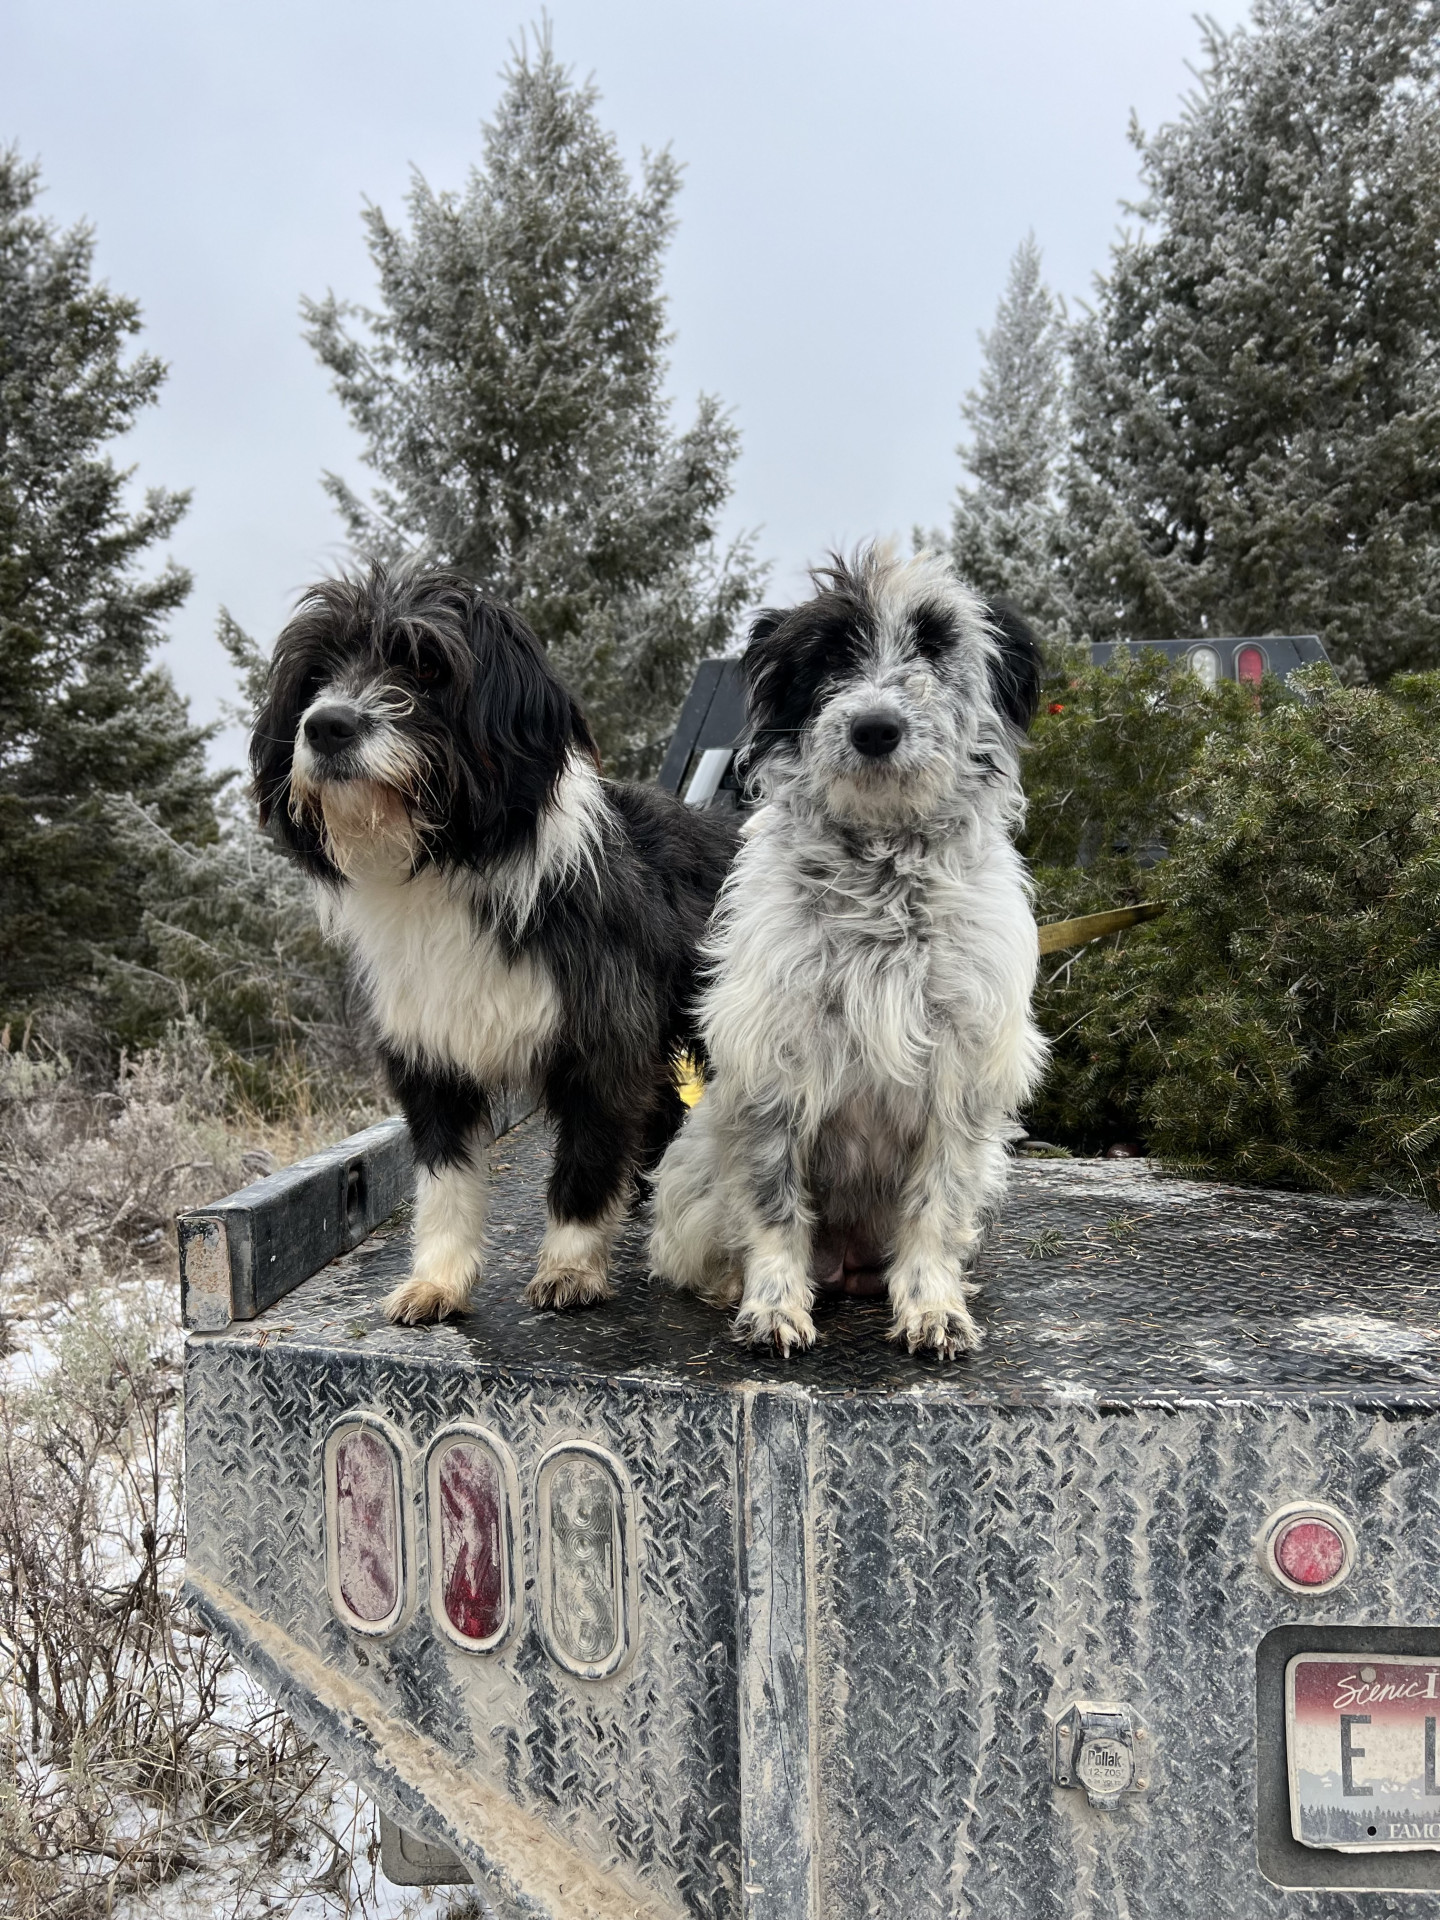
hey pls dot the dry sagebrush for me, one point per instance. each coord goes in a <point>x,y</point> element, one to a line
<point>130,1754</point>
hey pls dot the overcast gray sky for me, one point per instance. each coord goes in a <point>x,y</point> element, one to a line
<point>857,177</point>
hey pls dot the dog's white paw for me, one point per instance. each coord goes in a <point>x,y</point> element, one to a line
<point>790,1329</point>
<point>555,1288</point>
<point>946,1331</point>
<point>429,1297</point>
<point>573,1268</point>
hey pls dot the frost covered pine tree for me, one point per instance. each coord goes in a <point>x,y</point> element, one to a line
<point>1004,529</point>
<point>1257,391</point>
<point>509,390</point>
<point>85,714</point>
<point>230,942</point>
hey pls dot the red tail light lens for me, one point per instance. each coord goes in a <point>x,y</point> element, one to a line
<point>1307,1547</point>
<point>474,1574</point>
<point>1250,666</point>
<point>1311,1553</point>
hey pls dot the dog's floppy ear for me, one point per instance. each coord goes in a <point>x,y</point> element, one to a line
<point>299,665</point>
<point>520,719</point>
<point>1016,666</point>
<point>760,670</point>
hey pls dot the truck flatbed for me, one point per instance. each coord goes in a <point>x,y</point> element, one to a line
<point>1103,1279</point>
<point>630,1620</point>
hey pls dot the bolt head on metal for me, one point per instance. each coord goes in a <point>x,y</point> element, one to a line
<point>1307,1547</point>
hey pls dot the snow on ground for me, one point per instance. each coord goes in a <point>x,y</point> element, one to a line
<point>237,1883</point>
<point>291,1840</point>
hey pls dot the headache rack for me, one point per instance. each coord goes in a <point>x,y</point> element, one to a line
<point>700,759</point>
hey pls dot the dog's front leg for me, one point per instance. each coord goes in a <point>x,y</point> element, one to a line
<point>450,1127</point>
<point>774,1231</point>
<point>597,1145</point>
<point>956,1174</point>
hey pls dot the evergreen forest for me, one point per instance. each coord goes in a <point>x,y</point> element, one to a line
<point>1238,434</point>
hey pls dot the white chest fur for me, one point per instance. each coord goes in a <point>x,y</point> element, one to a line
<point>440,987</point>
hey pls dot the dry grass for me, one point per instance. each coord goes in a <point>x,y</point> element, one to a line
<point>135,1765</point>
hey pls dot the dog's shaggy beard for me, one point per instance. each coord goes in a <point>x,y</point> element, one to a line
<point>369,819</point>
<point>364,826</point>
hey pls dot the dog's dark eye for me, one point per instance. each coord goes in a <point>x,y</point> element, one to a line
<point>933,633</point>
<point>428,669</point>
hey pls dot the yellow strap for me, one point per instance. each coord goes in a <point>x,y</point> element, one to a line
<point>1056,934</point>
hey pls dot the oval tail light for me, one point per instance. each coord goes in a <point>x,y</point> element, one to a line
<point>365,1548</point>
<point>1204,663</point>
<point>587,1560</point>
<point>470,1485</point>
<point>1250,665</point>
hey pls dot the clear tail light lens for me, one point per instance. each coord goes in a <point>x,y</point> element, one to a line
<point>587,1559</point>
<point>1204,663</point>
<point>584,1561</point>
<point>366,1549</point>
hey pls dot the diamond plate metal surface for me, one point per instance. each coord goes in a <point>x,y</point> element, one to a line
<point>635,1774</point>
<point>981,1570</point>
<point>866,1584</point>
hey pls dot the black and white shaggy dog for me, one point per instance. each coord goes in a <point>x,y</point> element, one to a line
<point>867,1017</point>
<point>518,921</point>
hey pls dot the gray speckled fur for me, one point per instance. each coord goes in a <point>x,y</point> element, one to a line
<point>873,952</point>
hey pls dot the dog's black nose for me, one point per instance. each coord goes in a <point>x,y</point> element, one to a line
<point>876,734</point>
<point>331,729</point>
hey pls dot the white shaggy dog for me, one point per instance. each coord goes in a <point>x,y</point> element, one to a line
<point>872,958</point>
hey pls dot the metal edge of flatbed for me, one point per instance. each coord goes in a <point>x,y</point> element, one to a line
<point>241,1254</point>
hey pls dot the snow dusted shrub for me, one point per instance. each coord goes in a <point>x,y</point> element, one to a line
<point>127,1743</point>
<point>130,1751</point>
<point>103,1687</point>
<point>90,1179</point>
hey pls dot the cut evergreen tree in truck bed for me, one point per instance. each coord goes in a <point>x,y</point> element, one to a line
<point>1280,1024</point>
<point>629,1620</point>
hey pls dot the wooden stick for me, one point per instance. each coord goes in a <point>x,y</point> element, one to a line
<point>1056,934</point>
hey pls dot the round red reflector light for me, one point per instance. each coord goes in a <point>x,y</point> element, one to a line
<point>1311,1553</point>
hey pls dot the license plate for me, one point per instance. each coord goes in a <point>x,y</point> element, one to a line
<point>1360,1733</point>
